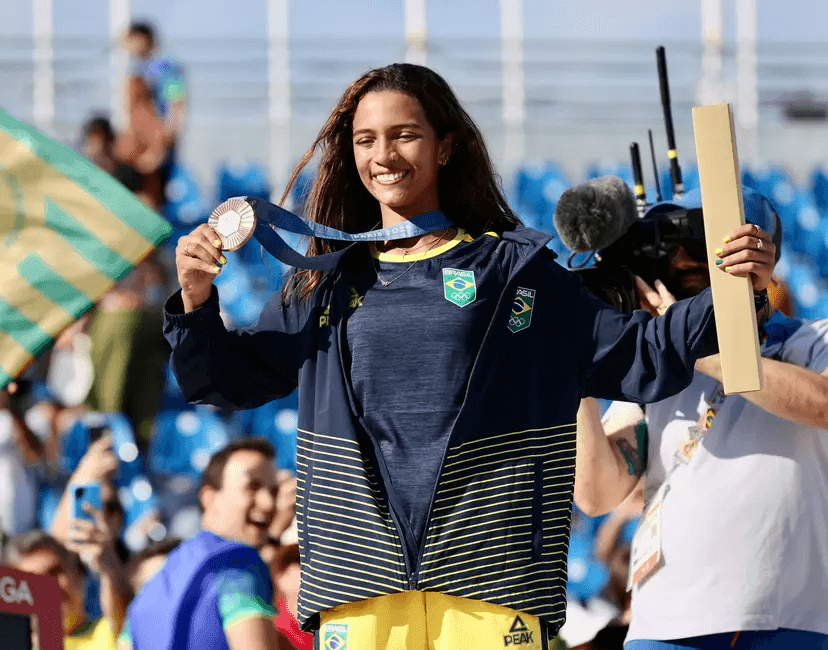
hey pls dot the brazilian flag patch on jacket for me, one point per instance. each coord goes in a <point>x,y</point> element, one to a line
<point>335,637</point>
<point>521,316</point>
<point>459,286</point>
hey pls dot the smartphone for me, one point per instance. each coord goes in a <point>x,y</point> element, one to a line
<point>81,494</point>
<point>17,401</point>
<point>98,432</point>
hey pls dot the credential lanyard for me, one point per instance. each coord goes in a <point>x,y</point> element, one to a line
<point>270,216</point>
<point>645,551</point>
<point>696,433</point>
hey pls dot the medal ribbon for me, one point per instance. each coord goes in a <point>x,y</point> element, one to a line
<point>269,217</point>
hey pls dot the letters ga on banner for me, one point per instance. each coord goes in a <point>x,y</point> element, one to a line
<point>68,232</point>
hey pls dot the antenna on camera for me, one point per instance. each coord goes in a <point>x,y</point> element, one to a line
<point>638,178</point>
<point>655,167</point>
<point>675,170</point>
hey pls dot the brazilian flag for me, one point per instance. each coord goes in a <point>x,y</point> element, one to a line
<point>68,232</point>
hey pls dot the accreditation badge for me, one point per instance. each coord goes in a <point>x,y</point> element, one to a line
<point>645,552</point>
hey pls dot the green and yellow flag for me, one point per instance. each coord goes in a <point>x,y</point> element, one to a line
<point>68,232</point>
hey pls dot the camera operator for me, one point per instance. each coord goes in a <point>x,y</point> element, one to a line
<point>731,551</point>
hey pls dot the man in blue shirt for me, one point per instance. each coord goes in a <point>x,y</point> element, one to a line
<point>215,592</point>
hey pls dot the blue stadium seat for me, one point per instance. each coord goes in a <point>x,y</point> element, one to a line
<point>821,258</point>
<point>237,296</point>
<point>183,442</point>
<point>785,198</point>
<point>808,291</point>
<point>186,205</point>
<point>610,168</point>
<point>538,189</point>
<point>301,189</point>
<point>764,178</point>
<point>809,238</point>
<point>277,422</point>
<point>586,576</point>
<point>242,179</point>
<point>819,189</point>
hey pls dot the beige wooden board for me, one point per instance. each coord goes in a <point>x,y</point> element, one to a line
<point>721,189</point>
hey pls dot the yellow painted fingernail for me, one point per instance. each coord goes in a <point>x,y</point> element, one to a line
<point>719,251</point>
<point>727,268</point>
<point>216,269</point>
<point>727,239</point>
<point>223,259</point>
<point>216,242</point>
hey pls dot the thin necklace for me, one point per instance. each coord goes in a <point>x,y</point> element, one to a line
<point>386,283</point>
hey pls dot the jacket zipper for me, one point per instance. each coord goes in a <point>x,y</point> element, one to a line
<point>415,577</point>
<point>394,507</point>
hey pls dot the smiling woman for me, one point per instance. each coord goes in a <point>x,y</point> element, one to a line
<point>398,154</point>
<point>439,379</point>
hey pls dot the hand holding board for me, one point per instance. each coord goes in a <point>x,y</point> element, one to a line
<point>722,205</point>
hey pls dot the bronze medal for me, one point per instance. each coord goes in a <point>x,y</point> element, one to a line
<point>234,222</point>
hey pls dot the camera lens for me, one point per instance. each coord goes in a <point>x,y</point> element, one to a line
<point>79,492</point>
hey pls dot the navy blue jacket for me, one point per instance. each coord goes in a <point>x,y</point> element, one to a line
<point>498,525</point>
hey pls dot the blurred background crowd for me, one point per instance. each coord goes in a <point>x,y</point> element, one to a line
<point>103,407</point>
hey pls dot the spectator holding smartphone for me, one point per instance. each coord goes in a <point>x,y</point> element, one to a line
<point>95,538</point>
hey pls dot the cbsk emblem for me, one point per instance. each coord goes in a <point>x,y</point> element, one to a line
<point>459,286</point>
<point>521,316</point>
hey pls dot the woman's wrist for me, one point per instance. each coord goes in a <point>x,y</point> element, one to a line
<point>761,302</point>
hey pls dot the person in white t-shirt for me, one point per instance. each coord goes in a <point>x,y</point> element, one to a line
<point>20,452</point>
<point>732,551</point>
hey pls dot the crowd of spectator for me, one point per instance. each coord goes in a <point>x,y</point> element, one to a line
<point>92,410</point>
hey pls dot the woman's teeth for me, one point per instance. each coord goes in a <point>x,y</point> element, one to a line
<point>390,178</point>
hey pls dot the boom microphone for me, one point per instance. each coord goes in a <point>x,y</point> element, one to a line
<point>593,215</point>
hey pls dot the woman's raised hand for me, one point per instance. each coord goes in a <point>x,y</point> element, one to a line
<point>749,251</point>
<point>198,260</point>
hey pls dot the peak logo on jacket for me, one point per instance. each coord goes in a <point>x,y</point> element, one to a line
<point>519,633</point>
<point>354,301</point>
<point>521,316</point>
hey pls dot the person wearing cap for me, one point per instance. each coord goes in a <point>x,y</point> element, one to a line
<point>732,550</point>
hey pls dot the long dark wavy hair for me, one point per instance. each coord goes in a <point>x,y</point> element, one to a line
<point>468,188</point>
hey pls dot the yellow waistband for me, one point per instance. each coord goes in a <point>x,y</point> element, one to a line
<point>425,620</point>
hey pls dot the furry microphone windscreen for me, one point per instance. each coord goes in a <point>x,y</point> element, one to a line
<point>593,215</point>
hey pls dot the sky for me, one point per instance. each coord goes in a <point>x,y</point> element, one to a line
<point>799,20</point>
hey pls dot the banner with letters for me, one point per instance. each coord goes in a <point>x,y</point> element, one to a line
<point>30,615</point>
